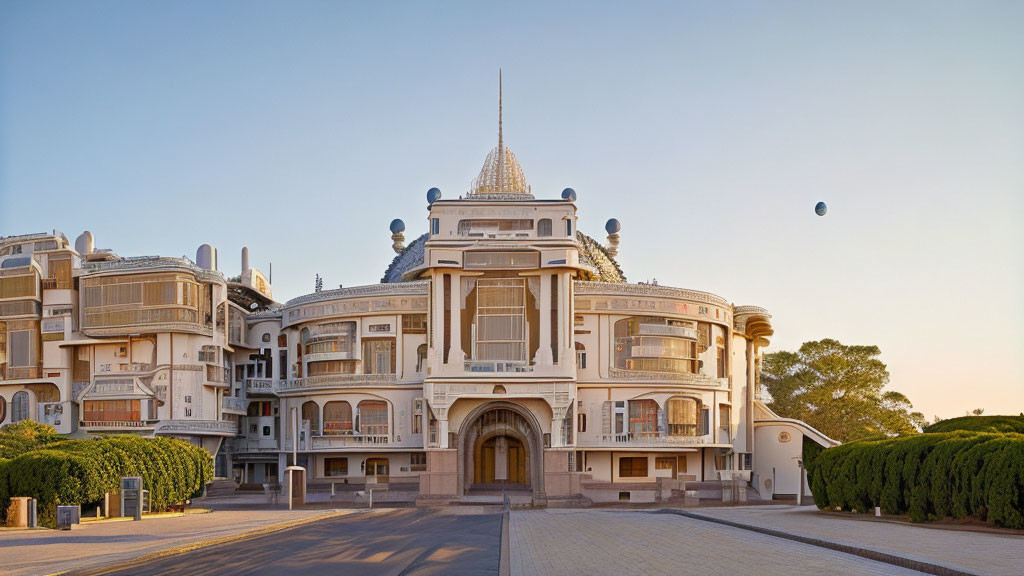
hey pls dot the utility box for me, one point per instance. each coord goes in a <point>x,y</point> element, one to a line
<point>132,497</point>
<point>17,513</point>
<point>68,516</point>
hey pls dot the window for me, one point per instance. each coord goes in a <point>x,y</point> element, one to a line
<point>421,357</point>
<point>282,365</point>
<point>568,227</point>
<point>335,466</point>
<point>378,356</point>
<point>705,421</point>
<point>414,324</point>
<point>19,407</point>
<point>681,416</point>
<point>282,340</point>
<point>746,461</point>
<point>725,419</point>
<point>377,467</point>
<point>188,412</point>
<point>643,418</point>
<point>332,367</point>
<point>633,467</point>
<point>581,356</point>
<point>481,228</point>
<point>544,227</point>
<point>252,428</point>
<point>500,319</point>
<point>111,411</point>
<point>22,348</point>
<point>417,462</point>
<point>417,415</point>
<point>656,344</point>
<point>373,418</point>
<point>311,414</point>
<point>435,226</point>
<point>337,418</point>
<point>665,463</point>
<point>266,430</point>
<point>188,399</point>
<point>265,338</point>
<point>721,361</point>
<point>581,422</point>
<point>3,409</point>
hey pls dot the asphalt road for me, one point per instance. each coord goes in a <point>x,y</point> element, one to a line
<point>406,541</point>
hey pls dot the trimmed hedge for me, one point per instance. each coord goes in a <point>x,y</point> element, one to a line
<point>980,424</point>
<point>81,471</point>
<point>928,476</point>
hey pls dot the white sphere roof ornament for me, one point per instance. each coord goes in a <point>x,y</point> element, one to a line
<point>501,177</point>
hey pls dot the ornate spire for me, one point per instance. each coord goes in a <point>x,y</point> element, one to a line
<point>501,178</point>
<point>501,141</point>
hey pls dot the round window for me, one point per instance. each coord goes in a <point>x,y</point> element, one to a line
<point>784,437</point>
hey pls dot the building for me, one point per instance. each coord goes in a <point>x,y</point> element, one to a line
<point>503,348</point>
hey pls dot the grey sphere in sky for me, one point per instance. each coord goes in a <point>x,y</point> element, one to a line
<point>820,208</point>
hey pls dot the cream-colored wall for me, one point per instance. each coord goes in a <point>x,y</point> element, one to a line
<point>461,408</point>
<point>777,459</point>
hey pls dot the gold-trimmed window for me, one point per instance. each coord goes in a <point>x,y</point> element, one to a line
<point>23,286</point>
<point>140,299</point>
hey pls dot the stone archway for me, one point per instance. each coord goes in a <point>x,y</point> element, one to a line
<point>516,438</point>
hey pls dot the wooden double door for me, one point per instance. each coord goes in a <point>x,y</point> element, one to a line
<point>501,459</point>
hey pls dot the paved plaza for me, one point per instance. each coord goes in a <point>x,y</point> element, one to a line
<point>564,542</point>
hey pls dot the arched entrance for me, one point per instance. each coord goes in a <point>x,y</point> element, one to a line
<point>500,446</point>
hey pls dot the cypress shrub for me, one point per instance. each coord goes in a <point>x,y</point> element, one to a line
<point>928,476</point>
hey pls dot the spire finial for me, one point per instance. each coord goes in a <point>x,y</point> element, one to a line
<point>501,141</point>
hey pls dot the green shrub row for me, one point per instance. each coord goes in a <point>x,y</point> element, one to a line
<point>980,424</point>
<point>928,476</point>
<point>81,471</point>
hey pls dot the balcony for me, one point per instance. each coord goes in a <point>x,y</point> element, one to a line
<point>197,427</point>
<point>217,376</point>
<point>368,441</point>
<point>96,425</point>
<point>644,441</point>
<point>22,373</point>
<point>497,366</point>
<point>233,405</point>
<point>260,386</point>
<point>53,283</point>
<point>665,330</point>
<point>335,381</point>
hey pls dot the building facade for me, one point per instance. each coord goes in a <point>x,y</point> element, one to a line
<point>503,349</point>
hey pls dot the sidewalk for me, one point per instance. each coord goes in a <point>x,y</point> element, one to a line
<point>39,552</point>
<point>974,552</point>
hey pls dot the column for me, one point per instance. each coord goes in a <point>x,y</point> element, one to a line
<point>544,349</point>
<point>565,338</point>
<point>437,319</point>
<point>455,355</point>
<point>442,432</point>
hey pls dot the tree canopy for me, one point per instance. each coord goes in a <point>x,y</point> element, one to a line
<point>839,390</point>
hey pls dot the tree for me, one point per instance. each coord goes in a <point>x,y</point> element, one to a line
<point>977,411</point>
<point>838,389</point>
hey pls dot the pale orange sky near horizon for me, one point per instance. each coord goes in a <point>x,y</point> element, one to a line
<point>708,130</point>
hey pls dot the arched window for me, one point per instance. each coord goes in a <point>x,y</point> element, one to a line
<point>373,418</point>
<point>337,418</point>
<point>682,416</point>
<point>421,357</point>
<point>3,409</point>
<point>311,412</point>
<point>19,407</point>
<point>581,356</point>
<point>643,418</point>
<point>544,227</point>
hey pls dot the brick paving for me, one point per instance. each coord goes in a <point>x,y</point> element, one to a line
<point>37,552</point>
<point>974,552</point>
<point>557,542</point>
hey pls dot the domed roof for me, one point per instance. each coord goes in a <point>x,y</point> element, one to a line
<point>603,267</point>
<point>501,178</point>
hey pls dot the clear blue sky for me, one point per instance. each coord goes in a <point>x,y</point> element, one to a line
<point>709,129</point>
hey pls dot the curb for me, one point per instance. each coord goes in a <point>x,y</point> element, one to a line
<point>124,564</point>
<point>504,563</point>
<point>875,555</point>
